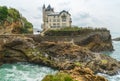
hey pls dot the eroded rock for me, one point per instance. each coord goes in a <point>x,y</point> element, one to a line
<point>59,55</point>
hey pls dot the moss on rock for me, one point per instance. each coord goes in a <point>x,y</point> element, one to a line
<point>59,77</point>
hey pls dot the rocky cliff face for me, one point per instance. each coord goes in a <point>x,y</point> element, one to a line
<point>76,74</point>
<point>95,40</point>
<point>60,55</point>
<point>12,22</point>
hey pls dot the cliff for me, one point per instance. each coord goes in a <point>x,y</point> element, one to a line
<point>96,40</point>
<point>12,22</point>
<point>64,56</point>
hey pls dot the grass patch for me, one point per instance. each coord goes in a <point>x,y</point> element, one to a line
<point>71,31</point>
<point>104,61</point>
<point>58,77</point>
<point>78,64</point>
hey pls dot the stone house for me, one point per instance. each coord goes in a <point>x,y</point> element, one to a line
<point>55,20</point>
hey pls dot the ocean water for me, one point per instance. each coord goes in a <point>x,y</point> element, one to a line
<point>115,54</point>
<point>24,72</point>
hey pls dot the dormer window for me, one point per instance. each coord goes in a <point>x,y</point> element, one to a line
<point>63,18</point>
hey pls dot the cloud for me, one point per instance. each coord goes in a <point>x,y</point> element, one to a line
<point>40,8</point>
<point>85,19</point>
<point>65,3</point>
<point>38,17</point>
<point>23,10</point>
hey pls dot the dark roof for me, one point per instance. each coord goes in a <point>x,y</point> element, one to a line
<point>58,13</point>
<point>65,12</point>
<point>44,6</point>
<point>49,8</point>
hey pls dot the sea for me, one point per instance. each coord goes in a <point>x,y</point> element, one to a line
<point>33,72</point>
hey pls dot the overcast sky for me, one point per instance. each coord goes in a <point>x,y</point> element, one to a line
<point>93,13</point>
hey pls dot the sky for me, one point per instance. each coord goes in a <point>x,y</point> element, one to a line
<point>84,13</point>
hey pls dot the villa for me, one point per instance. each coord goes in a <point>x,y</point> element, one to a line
<point>55,20</point>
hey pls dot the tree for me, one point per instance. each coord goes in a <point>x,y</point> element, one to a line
<point>13,13</point>
<point>3,13</point>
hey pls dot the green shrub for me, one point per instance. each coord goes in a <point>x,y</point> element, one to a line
<point>58,77</point>
<point>71,31</point>
<point>28,27</point>
<point>14,14</point>
<point>3,13</point>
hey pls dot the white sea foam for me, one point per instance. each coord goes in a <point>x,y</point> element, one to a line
<point>23,72</point>
<point>115,54</point>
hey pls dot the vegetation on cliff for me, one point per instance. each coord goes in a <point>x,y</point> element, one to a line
<point>59,77</point>
<point>71,31</point>
<point>12,22</point>
<point>95,39</point>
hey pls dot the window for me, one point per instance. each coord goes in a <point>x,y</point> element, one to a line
<point>54,20</point>
<point>63,24</point>
<point>58,20</point>
<point>58,24</point>
<point>49,20</point>
<point>54,24</point>
<point>63,19</point>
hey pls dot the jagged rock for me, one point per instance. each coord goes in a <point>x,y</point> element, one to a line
<point>84,74</point>
<point>76,74</point>
<point>65,53</point>
<point>59,55</point>
<point>95,41</point>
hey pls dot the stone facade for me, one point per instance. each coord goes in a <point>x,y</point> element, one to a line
<point>55,20</point>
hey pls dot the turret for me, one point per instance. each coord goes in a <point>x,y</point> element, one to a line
<point>49,9</point>
<point>43,12</point>
<point>44,6</point>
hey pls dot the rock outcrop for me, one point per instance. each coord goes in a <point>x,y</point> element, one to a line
<point>67,56</point>
<point>116,39</point>
<point>76,74</point>
<point>12,22</point>
<point>96,40</point>
<point>59,55</point>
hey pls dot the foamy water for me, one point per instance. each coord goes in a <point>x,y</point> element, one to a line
<point>23,72</point>
<point>115,54</point>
